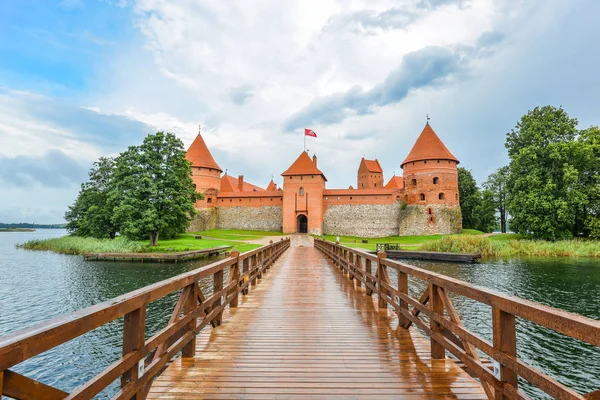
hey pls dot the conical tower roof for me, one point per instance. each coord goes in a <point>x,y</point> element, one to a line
<point>429,147</point>
<point>303,165</point>
<point>199,155</point>
<point>272,186</point>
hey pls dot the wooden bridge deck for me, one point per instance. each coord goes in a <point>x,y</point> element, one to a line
<point>306,332</point>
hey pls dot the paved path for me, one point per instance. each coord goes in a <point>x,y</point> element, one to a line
<point>305,332</point>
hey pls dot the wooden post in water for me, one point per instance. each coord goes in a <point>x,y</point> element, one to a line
<point>134,330</point>
<point>505,340</point>
<point>437,306</point>
<point>350,265</point>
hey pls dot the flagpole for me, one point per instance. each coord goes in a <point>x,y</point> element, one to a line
<point>304,141</point>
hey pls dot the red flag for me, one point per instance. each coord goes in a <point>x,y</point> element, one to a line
<point>309,132</point>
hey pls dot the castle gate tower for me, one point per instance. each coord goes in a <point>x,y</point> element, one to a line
<point>303,186</point>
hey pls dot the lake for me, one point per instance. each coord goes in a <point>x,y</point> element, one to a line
<point>37,286</point>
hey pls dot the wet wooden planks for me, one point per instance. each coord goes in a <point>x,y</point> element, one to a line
<point>306,332</point>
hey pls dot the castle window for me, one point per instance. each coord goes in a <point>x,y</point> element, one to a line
<point>230,200</point>
<point>301,177</point>
<point>271,199</point>
<point>209,200</point>
<point>413,182</point>
<point>301,191</point>
<point>350,197</point>
<point>436,180</point>
<point>362,185</point>
<point>397,197</point>
<point>438,161</point>
<point>338,197</point>
<point>222,200</point>
<point>290,177</point>
<point>313,177</point>
<point>429,211</point>
<point>424,162</point>
<point>431,220</point>
<point>422,196</point>
<point>441,196</point>
<point>240,200</point>
<point>375,184</point>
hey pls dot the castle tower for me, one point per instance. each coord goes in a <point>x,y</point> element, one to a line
<point>370,174</point>
<point>303,186</point>
<point>206,173</point>
<point>431,186</point>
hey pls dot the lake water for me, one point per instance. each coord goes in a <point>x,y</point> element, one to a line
<point>37,286</point>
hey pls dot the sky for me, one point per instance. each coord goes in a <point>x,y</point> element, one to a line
<point>81,79</point>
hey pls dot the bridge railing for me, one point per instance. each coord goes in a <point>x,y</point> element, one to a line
<point>447,332</point>
<point>142,360</point>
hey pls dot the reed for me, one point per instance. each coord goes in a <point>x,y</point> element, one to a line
<point>514,248</point>
<point>80,245</point>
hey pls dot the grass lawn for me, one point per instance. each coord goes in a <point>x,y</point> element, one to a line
<point>356,242</point>
<point>503,237</point>
<point>236,234</point>
<point>188,242</point>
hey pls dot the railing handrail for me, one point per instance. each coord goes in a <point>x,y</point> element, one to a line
<point>21,345</point>
<point>565,322</point>
<point>450,334</point>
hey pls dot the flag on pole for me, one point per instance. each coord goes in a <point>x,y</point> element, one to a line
<point>309,132</point>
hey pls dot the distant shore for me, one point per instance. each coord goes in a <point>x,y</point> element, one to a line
<point>17,230</point>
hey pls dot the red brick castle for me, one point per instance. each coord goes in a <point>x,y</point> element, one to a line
<point>422,201</point>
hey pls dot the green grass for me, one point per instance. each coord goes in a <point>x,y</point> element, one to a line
<point>412,241</point>
<point>79,245</point>
<point>236,234</point>
<point>511,245</point>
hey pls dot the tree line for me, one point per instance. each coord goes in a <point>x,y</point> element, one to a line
<point>145,192</point>
<point>550,188</point>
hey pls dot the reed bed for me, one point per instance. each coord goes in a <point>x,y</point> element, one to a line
<point>514,248</point>
<point>80,245</point>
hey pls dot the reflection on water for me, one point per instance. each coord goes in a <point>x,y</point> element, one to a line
<point>37,286</point>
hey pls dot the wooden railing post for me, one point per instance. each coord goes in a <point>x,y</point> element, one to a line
<point>358,262</point>
<point>381,303</point>
<point>368,270</point>
<point>234,276</point>
<point>437,306</point>
<point>253,264</point>
<point>505,340</point>
<point>402,288</point>
<point>191,302</point>
<point>217,288</point>
<point>134,331</point>
<point>245,270</point>
<point>351,265</point>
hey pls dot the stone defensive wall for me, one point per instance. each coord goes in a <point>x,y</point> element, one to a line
<point>263,218</point>
<point>431,219</point>
<point>365,220</point>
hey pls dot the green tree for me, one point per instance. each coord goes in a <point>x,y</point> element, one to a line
<point>92,214</point>
<point>543,184</point>
<point>155,193</point>
<point>588,216</point>
<point>470,197</point>
<point>485,212</point>
<point>496,184</point>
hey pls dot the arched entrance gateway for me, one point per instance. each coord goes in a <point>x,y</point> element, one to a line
<point>302,224</point>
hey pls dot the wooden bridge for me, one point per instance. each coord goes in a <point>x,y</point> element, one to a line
<point>304,322</point>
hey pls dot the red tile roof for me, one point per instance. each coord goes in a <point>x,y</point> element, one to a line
<point>372,165</point>
<point>429,147</point>
<point>303,165</point>
<point>396,182</point>
<point>231,184</point>
<point>272,186</point>
<point>199,155</point>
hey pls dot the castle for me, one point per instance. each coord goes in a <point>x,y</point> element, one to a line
<point>422,201</point>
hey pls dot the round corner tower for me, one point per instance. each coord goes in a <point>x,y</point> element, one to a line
<point>430,188</point>
<point>206,173</point>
